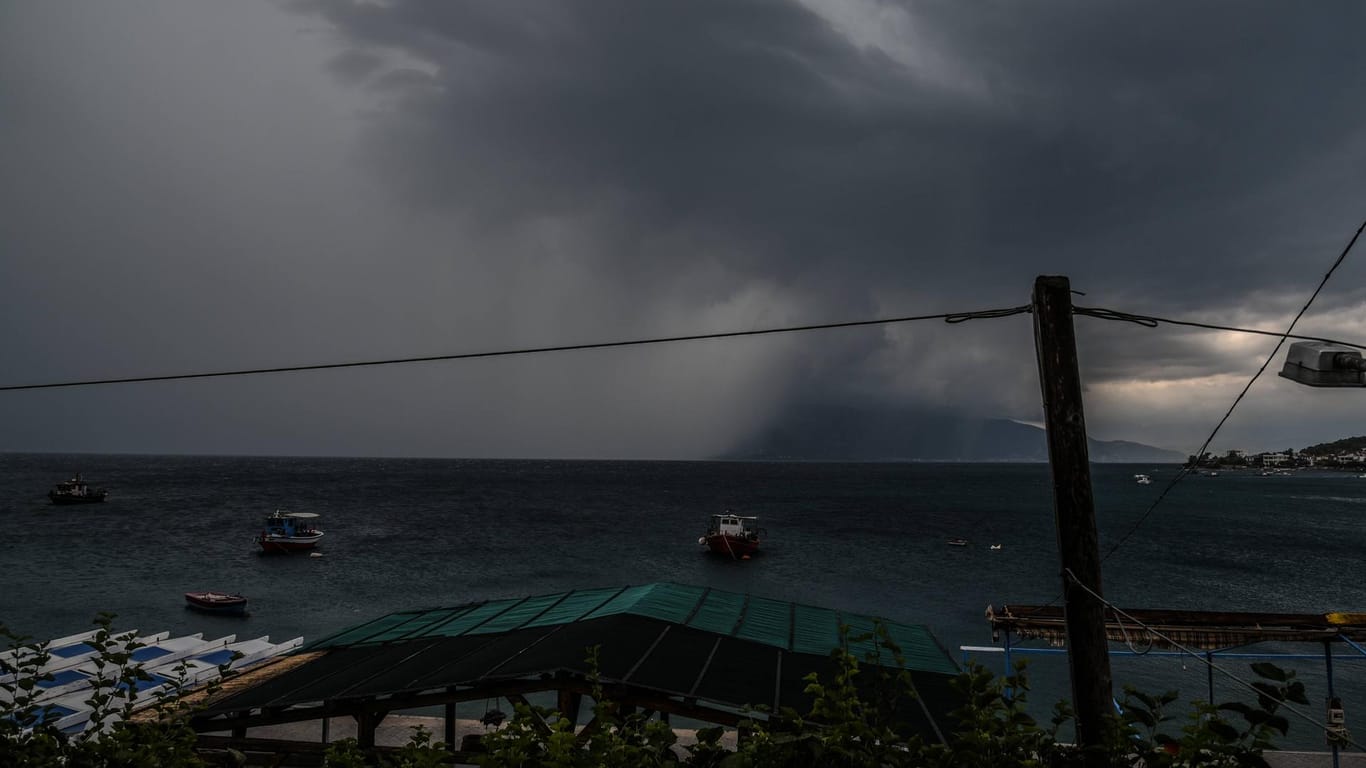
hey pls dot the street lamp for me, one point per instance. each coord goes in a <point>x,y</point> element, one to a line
<point>1322,364</point>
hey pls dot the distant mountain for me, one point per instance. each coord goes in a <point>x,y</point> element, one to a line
<point>1345,445</point>
<point>851,433</point>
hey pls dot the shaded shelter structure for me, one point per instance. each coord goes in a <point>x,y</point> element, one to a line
<point>665,648</point>
<point>1204,634</point>
<point>1204,630</point>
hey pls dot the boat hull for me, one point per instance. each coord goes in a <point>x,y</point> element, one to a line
<point>287,543</point>
<point>230,605</point>
<point>731,546</point>
<point>61,499</point>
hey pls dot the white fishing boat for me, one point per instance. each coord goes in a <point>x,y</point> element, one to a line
<point>1143,479</point>
<point>289,532</point>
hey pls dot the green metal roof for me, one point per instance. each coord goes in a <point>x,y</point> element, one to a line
<point>781,624</point>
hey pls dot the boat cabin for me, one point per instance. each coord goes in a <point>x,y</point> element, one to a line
<point>74,491</point>
<point>737,526</point>
<point>282,523</point>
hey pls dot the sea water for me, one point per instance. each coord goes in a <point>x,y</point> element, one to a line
<point>862,538</point>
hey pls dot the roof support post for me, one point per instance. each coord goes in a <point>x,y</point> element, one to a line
<point>1332,700</point>
<point>1209,672</point>
<point>367,720</point>
<point>448,730</point>
<point>1074,512</point>
<point>568,703</point>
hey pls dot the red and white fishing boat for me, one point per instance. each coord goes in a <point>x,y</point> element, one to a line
<point>216,602</point>
<point>289,532</point>
<point>735,536</point>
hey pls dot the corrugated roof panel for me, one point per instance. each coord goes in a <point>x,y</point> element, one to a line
<point>359,634</point>
<point>327,641</point>
<point>921,650</point>
<point>862,637</point>
<point>669,602</point>
<point>622,603</point>
<point>575,606</point>
<point>413,626</point>
<point>719,612</point>
<point>767,621</point>
<point>799,628</point>
<point>471,619</point>
<point>817,630</point>
<point>520,614</point>
<point>918,647</point>
<point>436,628</point>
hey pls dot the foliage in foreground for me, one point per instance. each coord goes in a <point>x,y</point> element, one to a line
<point>29,735</point>
<point>850,723</point>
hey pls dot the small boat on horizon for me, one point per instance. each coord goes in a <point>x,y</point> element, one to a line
<point>289,532</point>
<point>1143,479</point>
<point>736,536</point>
<point>957,542</point>
<point>217,602</point>
<point>75,491</point>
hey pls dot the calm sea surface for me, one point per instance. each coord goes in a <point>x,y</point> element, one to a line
<point>865,538</point>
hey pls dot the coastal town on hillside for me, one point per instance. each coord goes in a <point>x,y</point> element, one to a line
<point>1346,454</point>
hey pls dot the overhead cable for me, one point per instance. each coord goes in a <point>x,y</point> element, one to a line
<point>1152,321</point>
<point>1203,659</point>
<point>950,317</point>
<point>1187,469</point>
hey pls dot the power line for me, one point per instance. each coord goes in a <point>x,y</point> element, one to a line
<point>950,317</point>
<point>1186,470</point>
<point>1152,321</point>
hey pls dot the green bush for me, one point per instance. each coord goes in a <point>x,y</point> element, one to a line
<point>28,732</point>
<point>851,724</point>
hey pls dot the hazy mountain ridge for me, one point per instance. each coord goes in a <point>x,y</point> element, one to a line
<point>850,433</point>
<point>1345,445</point>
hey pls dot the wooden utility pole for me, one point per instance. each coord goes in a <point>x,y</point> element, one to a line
<point>1074,511</point>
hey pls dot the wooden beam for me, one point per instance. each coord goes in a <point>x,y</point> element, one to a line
<point>366,723</point>
<point>448,731</point>
<point>207,695</point>
<point>536,721</point>
<point>624,695</point>
<point>568,702</point>
<point>282,750</point>
<point>588,731</point>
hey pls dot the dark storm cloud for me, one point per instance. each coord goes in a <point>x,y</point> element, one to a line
<point>1145,138</point>
<point>257,184</point>
<point>1199,160</point>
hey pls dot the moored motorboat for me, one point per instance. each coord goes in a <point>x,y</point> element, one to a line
<point>735,536</point>
<point>75,491</point>
<point>216,602</point>
<point>956,542</point>
<point>289,532</point>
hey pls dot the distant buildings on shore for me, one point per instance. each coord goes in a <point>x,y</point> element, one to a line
<point>1289,458</point>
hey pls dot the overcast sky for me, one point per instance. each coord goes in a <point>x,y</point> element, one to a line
<point>192,185</point>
